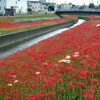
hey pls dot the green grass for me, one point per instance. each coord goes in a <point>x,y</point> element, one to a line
<point>81,15</point>
<point>13,18</point>
<point>87,15</point>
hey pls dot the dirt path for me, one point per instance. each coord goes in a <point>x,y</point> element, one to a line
<point>33,20</point>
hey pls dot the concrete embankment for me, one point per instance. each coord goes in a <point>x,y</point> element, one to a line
<point>12,38</point>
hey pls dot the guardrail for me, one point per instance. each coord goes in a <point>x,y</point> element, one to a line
<point>78,12</point>
<point>92,10</point>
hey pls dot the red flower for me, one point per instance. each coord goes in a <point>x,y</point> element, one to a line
<point>89,96</point>
<point>94,80</point>
<point>7,98</point>
<point>1,87</point>
<point>83,91</point>
<point>80,84</point>
<point>89,91</point>
<point>94,87</point>
<point>70,83</point>
<point>32,97</point>
<point>73,86</point>
<point>50,94</point>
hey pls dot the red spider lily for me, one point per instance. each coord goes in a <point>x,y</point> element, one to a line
<point>7,98</point>
<point>70,83</point>
<point>80,84</point>
<point>89,96</point>
<point>69,16</point>
<point>50,94</point>
<point>1,87</point>
<point>93,87</point>
<point>36,70</point>
<point>89,91</point>
<point>94,80</point>
<point>32,97</point>
<point>4,23</point>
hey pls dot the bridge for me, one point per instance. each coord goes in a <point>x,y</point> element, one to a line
<point>78,12</point>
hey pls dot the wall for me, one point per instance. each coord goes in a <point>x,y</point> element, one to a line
<point>36,6</point>
<point>12,38</point>
<point>2,5</point>
<point>20,6</point>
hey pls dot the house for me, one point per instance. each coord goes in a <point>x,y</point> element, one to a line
<point>13,6</point>
<point>47,4</point>
<point>36,6</point>
<point>66,6</point>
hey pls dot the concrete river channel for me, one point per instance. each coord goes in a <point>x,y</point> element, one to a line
<point>22,45</point>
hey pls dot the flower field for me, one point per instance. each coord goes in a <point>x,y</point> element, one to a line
<point>5,23</point>
<point>63,67</point>
<point>70,16</point>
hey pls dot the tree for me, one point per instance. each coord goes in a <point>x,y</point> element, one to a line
<point>51,8</point>
<point>82,7</point>
<point>29,10</point>
<point>91,5</point>
<point>98,7</point>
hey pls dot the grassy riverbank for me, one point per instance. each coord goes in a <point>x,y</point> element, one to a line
<point>6,26</point>
<point>63,67</point>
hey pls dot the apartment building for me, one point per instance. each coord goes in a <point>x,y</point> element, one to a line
<point>13,6</point>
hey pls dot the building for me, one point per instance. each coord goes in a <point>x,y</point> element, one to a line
<point>13,6</point>
<point>66,6</point>
<point>47,4</point>
<point>36,6</point>
<point>43,1</point>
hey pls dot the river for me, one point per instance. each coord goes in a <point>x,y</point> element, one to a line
<point>22,45</point>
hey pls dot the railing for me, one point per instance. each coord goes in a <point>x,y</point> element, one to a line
<point>87,10</point>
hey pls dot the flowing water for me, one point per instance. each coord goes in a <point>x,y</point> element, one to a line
<point>22,45</point>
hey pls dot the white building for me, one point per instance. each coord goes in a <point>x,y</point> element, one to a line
<point>19,6</point>
<point>36,6</point>
<point>66,6</point>
<point>43,1</point>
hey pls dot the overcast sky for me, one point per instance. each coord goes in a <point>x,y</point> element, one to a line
<point>76,2</point>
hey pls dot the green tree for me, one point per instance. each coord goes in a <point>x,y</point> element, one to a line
<point>82,7</point>
<point>29,10</point>
<point>91,5</point>
<point>98,6</point>
<point>51,8</point>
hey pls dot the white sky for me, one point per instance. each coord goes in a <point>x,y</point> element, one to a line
<point>76,2</point>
